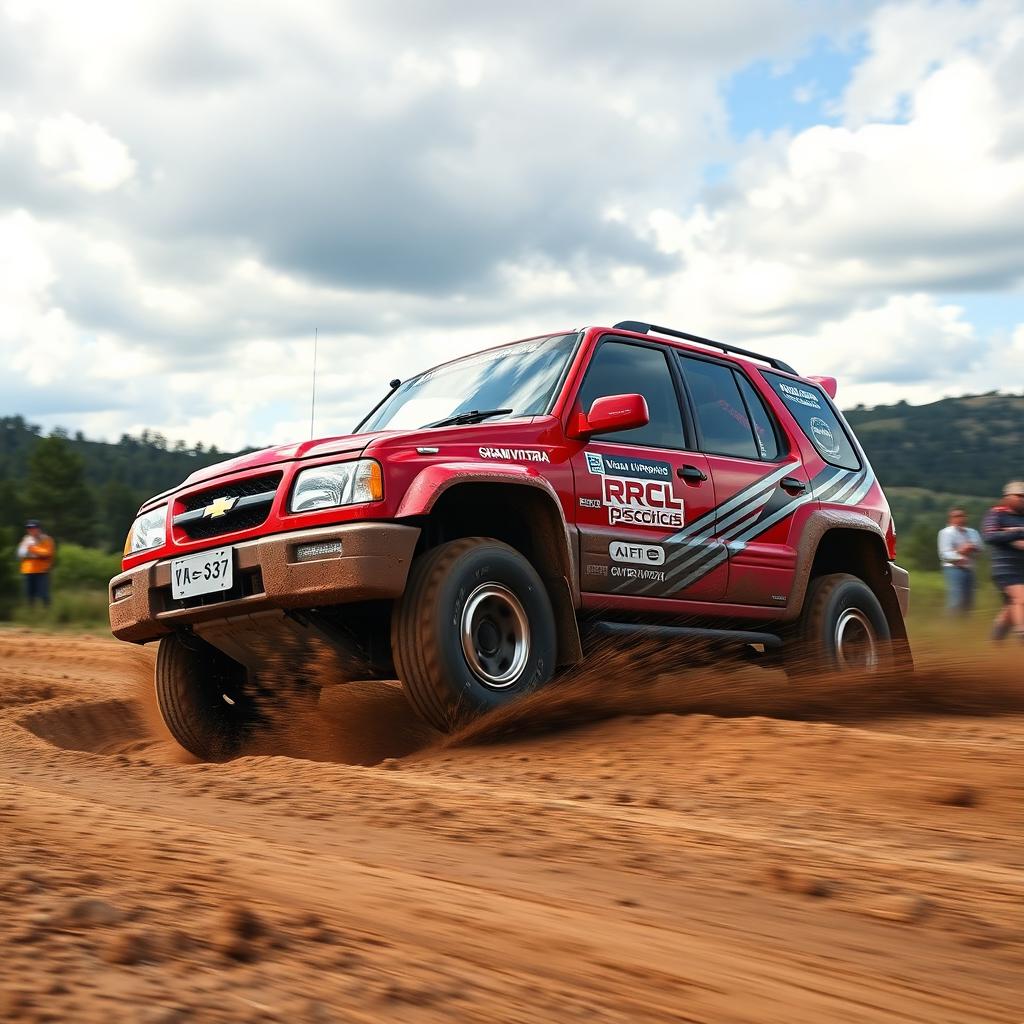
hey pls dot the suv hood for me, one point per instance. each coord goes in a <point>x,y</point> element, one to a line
<point>345,444</point>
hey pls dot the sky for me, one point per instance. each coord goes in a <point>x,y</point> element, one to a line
<point>189,191</point>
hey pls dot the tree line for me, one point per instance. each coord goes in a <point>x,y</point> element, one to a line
<point>87,492</point>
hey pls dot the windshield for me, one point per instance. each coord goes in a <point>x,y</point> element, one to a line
<point>519,377</point>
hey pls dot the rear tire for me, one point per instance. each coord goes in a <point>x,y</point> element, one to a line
<point>473,631</point>
<point>203,698</point>
<point>842,629</point>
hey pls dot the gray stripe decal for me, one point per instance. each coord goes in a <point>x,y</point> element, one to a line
<point>738,535</point>
<point>720,557</point>
<point>760,494</point>
<point>863,481</point>
<point>861,491</point>
<point>746,502</point>
<point>737,499</point>
<point>764,524</point>
<point>848,486</point>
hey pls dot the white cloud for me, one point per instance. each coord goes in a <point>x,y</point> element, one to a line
<point>847,236</point>
<point>83,153</point>
<point>469,67</point>
<point>185,199</point>
<point>909,40</point>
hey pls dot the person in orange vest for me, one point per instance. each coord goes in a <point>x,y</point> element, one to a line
<point>36,553</point>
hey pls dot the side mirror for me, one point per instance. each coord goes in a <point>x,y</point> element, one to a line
<point>610,414</point>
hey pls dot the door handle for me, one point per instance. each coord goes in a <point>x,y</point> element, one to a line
<point>691,473</point>
<point>791,483</point>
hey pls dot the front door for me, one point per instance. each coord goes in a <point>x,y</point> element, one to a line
<point>645,504</point>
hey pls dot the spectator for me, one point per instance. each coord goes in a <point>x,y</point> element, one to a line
<point>1003,530</point>
<point>958,544</point>
<point>36,553</point>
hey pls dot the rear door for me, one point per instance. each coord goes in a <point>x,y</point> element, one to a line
<point>759,483</point>
<point>638,491</point>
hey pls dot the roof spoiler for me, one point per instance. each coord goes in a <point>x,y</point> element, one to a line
<point>827,384</point>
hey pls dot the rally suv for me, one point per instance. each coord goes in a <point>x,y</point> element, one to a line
<point>491,516</point>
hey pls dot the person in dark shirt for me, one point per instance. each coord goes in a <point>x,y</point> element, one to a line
<point>1003,531</point>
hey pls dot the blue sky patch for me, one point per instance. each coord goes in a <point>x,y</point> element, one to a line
<point>769,96</point>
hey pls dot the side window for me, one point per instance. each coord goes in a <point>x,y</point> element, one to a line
<point>725,427</point>
<point>764,433</point>
<point>814,414</point>
<point>619,368</point>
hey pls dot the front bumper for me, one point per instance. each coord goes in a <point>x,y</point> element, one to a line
<point>373,563</point>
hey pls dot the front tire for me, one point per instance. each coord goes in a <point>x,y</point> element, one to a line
<point>473,631</point>
<point>203,698</point>
<point>842,629</point>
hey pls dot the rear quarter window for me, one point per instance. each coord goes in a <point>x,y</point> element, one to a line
<point>817,419</point>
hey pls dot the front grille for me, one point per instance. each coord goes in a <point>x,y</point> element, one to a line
<point>254,496</point>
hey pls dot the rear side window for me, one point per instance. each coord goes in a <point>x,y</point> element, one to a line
<point>618,368</point>
<point>817,419</point>
<point>764,432</point>
<point>723,416</point>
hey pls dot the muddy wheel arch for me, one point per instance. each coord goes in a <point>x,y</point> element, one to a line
<point>519,508</point>
<point>845,541</point>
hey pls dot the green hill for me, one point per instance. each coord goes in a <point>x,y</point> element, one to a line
<point>928,457</point>
<point>957,451</point>
<point>961,446</point>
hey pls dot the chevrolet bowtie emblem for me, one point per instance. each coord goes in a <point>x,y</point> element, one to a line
<point>218,507</point>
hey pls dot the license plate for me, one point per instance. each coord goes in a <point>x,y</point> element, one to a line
<point>205,573</point>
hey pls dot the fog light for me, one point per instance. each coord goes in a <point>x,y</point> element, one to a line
<point>123,590</point>
<point>319,549</point>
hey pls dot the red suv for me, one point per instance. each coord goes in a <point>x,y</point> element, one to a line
<point>491,515</point>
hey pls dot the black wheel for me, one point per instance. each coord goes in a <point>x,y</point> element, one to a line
<point>473,631</point>
<point>203,698</point>
<point>842,629</point>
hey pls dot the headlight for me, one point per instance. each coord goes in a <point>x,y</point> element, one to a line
<point>345,483</point>
<point>148,531</point>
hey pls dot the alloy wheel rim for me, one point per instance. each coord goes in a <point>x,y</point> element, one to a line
<point>495,635</point>
<point>856,644</point>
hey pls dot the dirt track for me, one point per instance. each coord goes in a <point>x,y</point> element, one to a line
<point>663,867</point>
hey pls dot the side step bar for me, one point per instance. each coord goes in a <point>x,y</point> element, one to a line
<point>723,636</point>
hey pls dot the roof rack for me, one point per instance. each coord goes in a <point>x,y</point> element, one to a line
<point>642,328</point>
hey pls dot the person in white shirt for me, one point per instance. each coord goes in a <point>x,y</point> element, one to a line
<point>958,546</point>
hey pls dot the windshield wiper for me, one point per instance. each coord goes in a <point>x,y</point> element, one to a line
<point>473,416</point>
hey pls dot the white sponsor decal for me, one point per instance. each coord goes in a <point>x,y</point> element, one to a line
<point>638,574</point>
<point>515,454</point>
<point>596,569</point>
<point>800,395</point>
<point>595,463</point>
<point>823,436</point>
<point>641,502</point>
<point>590,502</point>
<point>639,554</point>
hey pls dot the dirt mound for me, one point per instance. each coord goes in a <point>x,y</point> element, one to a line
<point>98,727</point>
<point>359,724</point>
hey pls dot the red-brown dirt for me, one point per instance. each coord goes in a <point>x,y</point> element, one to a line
<point>635,845</point>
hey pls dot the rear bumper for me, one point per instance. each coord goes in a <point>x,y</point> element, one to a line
<point>373,563</point>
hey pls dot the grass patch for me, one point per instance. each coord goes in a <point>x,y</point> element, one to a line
<point>74,608</point>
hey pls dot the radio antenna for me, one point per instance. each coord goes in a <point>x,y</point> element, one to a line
<point>312,407</point>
